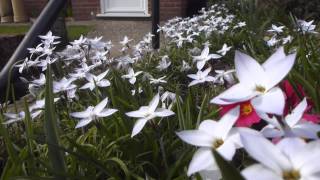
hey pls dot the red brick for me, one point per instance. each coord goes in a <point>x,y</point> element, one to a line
<point>82,9</point>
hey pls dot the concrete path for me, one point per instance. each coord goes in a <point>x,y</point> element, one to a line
<point>115,30</point>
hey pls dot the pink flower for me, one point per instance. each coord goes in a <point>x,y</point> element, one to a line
<point>248,115</point>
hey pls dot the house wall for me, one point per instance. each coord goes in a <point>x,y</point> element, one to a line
<point>87,9</point>
<point>172,8</point>
<point>34,7</point>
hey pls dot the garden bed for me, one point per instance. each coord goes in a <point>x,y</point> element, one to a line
<point>8,45</point>
<point>233,93</point>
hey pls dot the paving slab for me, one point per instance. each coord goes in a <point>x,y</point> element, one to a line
<point>115,30</point>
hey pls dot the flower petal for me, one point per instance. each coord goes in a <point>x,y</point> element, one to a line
<point>258,170</point>
<point>271,132</point>
<point>192,76</point>
<point>102,75</point>
<point>234,94</point>
<point>303,159</point>
<point>279,70</point>
<point>83,122</point>
<point>194,82</point>
<point>137,114</point>
<point>103,83</point>
<point>272,61</point>
<point>291,146</point>
<point>227,150</point>
<point>273,121</point>
<point>210,79</point>
<point>271,102</point>
<point>200,64</point>
<point>265,152</point>
<point>196,138</point>
<point>106,112</point>
<point>201,160</point>
<point>81,115</point>
<point>89,85</point>
<point>249,71</point>
<point>307,130</point>
<point>161,112</point>
<point>99,107</point>
<point>209,126</point>
<point>210,174</point>
<point>154,103</point>
<point>132,80</point>
<point>138,126</point>
<point>226,122</point>
<point>297,113</point>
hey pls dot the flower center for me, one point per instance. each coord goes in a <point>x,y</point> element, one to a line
<point>260,89</point>
<point>217,143</point>
<point>246,109</point>
<point>291,175</point>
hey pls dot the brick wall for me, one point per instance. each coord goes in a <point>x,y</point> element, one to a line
<point>34,7</point>
<point>172,8</point>
<point>83,9</point>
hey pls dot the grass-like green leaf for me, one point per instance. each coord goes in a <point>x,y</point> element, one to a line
<point>51,128</point>
<point>228,171</point>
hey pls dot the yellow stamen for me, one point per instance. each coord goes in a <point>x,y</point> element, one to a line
<point>217,143</point>
<point>246,109</point>
<point>260,89</point>
<point>291,175</point>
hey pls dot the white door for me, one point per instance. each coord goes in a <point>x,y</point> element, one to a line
<point>130,8</point>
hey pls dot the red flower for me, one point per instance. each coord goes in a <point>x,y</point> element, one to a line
<point>248,115</point>
<point>293,99</point>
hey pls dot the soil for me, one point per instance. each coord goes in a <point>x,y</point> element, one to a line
<point>8,45</point>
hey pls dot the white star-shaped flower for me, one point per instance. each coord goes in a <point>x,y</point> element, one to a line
<point>257,83</point>
<point>132,76</point>
<point>125,41</point>
<point>27,63</point>
<point>13,117</point>
<point>218,135</point>
<point>294,125</point>
<point>164,63</point>
<point>92,113</point>
<point>41,81</point>
<point>49,39</point>
<point>204,57</point>
<point>158,81</point>
<point>146,113</point>
<point>291,158</point>
<point>45,62</point>
<point>201,77</point>
<point>94,81</point>
<point>63,85</point>
<point>306,27</point>
<point>225,48</point>
<point>277,29</point>
<point>223,76</point>
<point>185,66</point>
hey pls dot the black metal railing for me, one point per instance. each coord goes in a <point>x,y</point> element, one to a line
<point>155,24</point>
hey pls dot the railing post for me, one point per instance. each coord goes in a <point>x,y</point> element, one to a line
<point>155,24</point>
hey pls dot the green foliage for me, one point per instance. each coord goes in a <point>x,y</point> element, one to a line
<point>74,31</point>
<point>228,171</point>
<point>51,130</point>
